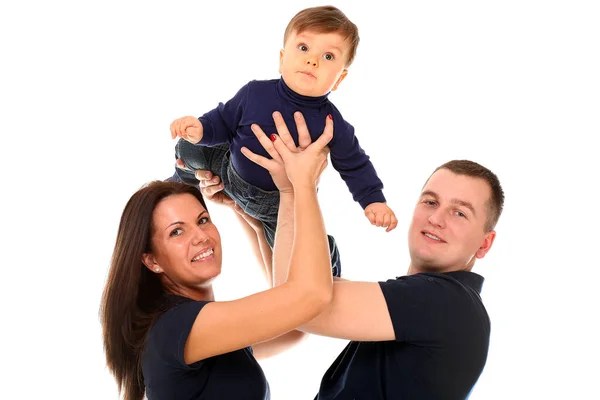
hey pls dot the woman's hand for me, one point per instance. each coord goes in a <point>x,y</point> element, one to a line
<point>292,166</point>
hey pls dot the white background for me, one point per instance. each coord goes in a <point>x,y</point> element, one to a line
<point>88,90</point>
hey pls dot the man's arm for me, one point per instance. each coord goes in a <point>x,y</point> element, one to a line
<point>358,311</point>
<point>278,345</point>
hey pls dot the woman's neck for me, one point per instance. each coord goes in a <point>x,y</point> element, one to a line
<point>198,293</point>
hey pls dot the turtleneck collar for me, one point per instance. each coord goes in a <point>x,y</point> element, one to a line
<point>303,101</point>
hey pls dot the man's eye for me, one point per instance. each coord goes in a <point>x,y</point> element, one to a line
<point>460,214</point>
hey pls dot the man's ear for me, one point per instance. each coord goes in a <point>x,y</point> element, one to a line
<point>488,241</point>
<point>150,262</point>
<point>340,79</point>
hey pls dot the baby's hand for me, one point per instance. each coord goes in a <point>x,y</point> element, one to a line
<point>381,215</point>
<point>188,128</point>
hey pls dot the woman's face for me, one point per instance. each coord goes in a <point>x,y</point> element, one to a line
<point>186,246</point>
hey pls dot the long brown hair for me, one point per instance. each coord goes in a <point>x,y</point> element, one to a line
<point>133,296</point>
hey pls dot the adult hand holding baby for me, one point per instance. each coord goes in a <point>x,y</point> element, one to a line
<point>292,166</point>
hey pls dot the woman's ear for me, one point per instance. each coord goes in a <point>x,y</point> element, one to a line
<point>150,262</point>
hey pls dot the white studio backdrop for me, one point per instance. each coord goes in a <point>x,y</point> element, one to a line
<point>88,90</point>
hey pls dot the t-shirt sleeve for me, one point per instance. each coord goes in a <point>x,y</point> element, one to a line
<point>420,308</point>
<point>170,332</point>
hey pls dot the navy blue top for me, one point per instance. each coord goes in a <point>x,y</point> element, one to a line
<point>442,337</point>
<point>234,375</point>
<point>255,103</point>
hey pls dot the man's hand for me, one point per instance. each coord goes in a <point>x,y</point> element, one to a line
<point>212,187</point>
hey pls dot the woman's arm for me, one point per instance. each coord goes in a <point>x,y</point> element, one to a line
<point>222,327</point>
<point>211,189</point>
<point>283,236</point>
<point>262,251</point>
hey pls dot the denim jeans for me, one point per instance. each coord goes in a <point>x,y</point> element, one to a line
<point>260,204</point>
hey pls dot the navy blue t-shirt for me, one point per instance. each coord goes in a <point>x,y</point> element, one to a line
<point>234,375</point>
<point>442,337</point>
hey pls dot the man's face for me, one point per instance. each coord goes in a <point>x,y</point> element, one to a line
<point>313,64</point>
<point>447,232</point>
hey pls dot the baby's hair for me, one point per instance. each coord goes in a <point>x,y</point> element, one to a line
<point>325,19</point>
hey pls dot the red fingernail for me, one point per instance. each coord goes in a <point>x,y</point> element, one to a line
<point>329,116</point>
<point>273,137</point>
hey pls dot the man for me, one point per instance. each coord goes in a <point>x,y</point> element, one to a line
<point>424,335</point>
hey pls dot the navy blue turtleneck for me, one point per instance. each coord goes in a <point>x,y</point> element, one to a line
<point>255,103</point>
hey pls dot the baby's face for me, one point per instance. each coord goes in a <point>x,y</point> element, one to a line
<point>313,64</point>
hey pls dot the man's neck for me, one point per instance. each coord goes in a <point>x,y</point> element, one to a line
<point>412,269</point>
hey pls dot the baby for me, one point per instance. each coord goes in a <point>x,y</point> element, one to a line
<point>319,45</point>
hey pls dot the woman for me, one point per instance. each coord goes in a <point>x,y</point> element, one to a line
<point>164,334</point>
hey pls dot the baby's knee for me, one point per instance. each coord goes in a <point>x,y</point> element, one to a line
<point>192,156</point>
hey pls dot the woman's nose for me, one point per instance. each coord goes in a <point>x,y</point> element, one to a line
<point>200,236</point>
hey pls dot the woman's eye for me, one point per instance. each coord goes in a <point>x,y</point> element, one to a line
<point>176,232</point>
<point>203,220</point>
